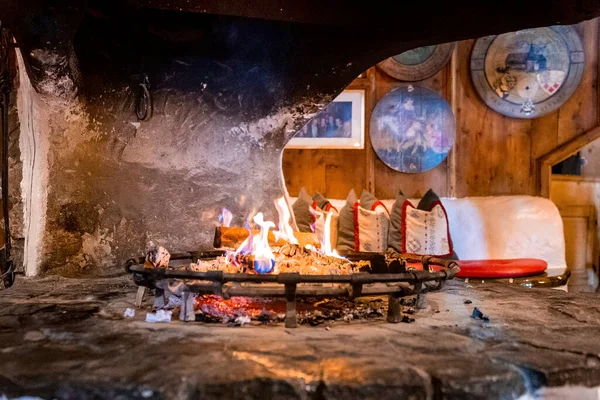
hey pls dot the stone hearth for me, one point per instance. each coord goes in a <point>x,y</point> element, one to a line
<point>65,338</point>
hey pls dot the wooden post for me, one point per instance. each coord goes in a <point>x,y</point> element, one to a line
<point>452,99</point>
<point>370,102</point>
<point>139,297</point>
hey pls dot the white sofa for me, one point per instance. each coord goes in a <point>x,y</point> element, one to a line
<point>503,227</point>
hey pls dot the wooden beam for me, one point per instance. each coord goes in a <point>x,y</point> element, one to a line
<point>451,96</point>
<point>562,152</point>
<point>370,102</point>
<point>575,211</point>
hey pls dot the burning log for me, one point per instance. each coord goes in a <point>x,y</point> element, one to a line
<point>233,237</point>
<point>294,258</point>
<point>288,258</point>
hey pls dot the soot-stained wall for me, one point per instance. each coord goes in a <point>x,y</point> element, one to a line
<point>221,114</point>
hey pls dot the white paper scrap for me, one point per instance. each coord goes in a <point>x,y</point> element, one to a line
<point>159,316</point>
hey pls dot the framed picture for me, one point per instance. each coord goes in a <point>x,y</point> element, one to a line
<point>340,125</point>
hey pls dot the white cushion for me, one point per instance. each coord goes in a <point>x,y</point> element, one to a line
<point>426,232</point>
<point>373,227</point>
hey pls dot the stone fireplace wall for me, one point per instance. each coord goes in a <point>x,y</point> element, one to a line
<point>101,186</point>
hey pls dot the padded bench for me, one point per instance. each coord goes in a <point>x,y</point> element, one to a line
<point>505,227</point>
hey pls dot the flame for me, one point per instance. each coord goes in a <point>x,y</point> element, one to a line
<point>244,248</point>
<point>258,245</point>
<point>225,218</point>
<point>285,231</point>
<point>326,239</point>
<point>264,259</point>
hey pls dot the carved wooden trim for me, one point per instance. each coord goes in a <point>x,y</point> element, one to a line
<point>544,163</point>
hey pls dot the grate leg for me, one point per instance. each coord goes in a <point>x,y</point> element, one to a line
<point>422,301</point>
<point>290,306</point>
<point>187,307</point>
<point>159,299</point>
<point>139,297</point>
<point>394,309</point>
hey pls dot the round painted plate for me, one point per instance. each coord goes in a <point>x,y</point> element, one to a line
<point>412,129</point>
<point>417,64</point>
<point>528,73</point>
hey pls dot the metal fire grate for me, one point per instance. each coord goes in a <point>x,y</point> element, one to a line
<point>293,285</point>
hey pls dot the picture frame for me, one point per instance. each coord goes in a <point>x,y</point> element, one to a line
<point>340,125</point>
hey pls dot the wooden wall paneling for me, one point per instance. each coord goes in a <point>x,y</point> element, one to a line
<point>493,152</point>
<point>471,123</point>
<point>580,113</point>
<point>344,170</point>
<point>304,168</point>
<point>519,158</point>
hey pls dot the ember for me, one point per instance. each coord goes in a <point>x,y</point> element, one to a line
<point>310,311</point>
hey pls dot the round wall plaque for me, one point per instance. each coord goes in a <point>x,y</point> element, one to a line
<point>417,64</point>
<point>528,73</point>
<point>412,129</point>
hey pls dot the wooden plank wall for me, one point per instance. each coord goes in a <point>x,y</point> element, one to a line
<point>493,154</point>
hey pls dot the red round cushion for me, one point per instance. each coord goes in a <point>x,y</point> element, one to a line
<point>514,268</point>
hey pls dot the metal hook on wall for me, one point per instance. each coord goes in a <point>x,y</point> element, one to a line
<point>143,104</point>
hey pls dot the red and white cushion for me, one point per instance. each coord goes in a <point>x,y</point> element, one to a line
<point>371,227</point>
<point>426,232</point>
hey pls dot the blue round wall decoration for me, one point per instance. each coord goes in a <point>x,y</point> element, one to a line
<point>528,73</point>
<point>412,129</point>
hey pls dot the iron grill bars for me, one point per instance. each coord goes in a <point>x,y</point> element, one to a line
<point>293,285</point>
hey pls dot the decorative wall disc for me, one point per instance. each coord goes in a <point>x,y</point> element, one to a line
<point>412,129</point>
<point>417,64</point>
<point>528,73</point>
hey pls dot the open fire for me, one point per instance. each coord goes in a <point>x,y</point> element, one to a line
<point>271,275</point>
<point>262,251</point>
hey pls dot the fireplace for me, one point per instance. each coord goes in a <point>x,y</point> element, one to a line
<point>137,128</point>
<point>292,286</point>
